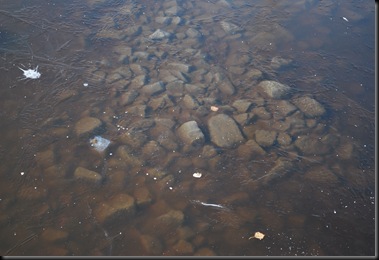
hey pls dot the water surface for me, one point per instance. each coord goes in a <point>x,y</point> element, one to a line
<point>302,170</point>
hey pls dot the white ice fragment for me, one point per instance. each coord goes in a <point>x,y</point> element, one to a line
<point>31,74</point>
<point>99,143</point>
<point>197,175</point>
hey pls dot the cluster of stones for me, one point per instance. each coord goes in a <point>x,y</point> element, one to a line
<point>158,115</point>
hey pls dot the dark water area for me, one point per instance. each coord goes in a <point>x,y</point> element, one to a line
<point>183,128</point>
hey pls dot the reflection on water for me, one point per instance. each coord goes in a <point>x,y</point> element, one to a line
<point>267,102</point>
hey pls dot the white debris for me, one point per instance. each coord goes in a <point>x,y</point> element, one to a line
<point>31,74</point>
<point>208,204</point>
<point>214,108</point>
<point>197,175</point>
<point>345,18</point>
<point>99,143</point>
<point>85,84</point>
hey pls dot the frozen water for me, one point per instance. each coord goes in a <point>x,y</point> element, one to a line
<point>99,143</point>
<point>31,74</point>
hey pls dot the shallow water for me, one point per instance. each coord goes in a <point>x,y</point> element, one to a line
<point>302,170</point>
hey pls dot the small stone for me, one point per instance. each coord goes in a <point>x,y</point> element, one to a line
<point>174,10</point>
<point>261,113</point>
<point>120,204</point>
<point>191,134</point>
<point>190,102</point>
<point>193,33</point>
<point>53,235</point>
<point>321,175</point>
<point>242,105</point>
<point>177,20</point>
<point>284,139</point>
<point>153,89</point>
<point>181,67</point>
<point>205,251</point>
<point>151,245</point>
<point>172,218</point>
<point>209,151</point>
<point>163,20</point>
<point>226,87</point>
<point>281,168</point>
<point>182,247</point>
<point>87,125</point>
<point>224,131</point>
<point>250,150</point>
<point>279,62</point>
<point>128,98</point>
<point>45,158</point>
<point>309,106</point>
<point>27,192</point>
<point>83,173</point>
<point>139,110</point>
<point>159,35</point>
<point>265,138</point>
<point>230,28</point>
<point>345,151</point>
<point>142,196</point>
<point>254,74</point>
<point>284,108</point>
<point>138,81</point>
<point>312,145</point>
<point>274,89</point>
<point>195,90</point>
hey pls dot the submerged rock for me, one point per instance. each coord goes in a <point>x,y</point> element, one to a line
<point>159,35</point>
<point>120,204</point>
<point>279,62</point>
<point>274,89</point>
<point>265,138</point>
<point>312,145</point>
<point>173,218</point>
<point>87,125</point>
<point>249,150</point>
<point>242,105</point>
<point>153,89</point>
<point>224,131</point>
<point>309,106</point>
<point>321,175</point>
<point>83,173</point>
<point>230,28</point>
<point>281,169</point>
<point>191,134</point>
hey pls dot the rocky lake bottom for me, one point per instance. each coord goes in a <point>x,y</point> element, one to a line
<point>182,128</point>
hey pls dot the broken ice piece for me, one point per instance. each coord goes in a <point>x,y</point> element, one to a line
<point>99,143</point>
<point>30,73</point>
<point>197,175</point>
